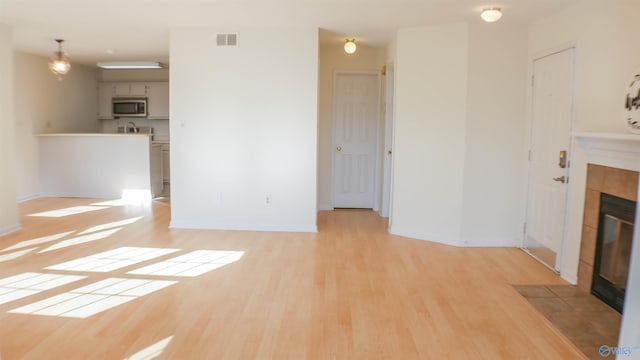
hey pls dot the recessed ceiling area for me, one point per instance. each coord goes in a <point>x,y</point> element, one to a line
<point>121,30</point>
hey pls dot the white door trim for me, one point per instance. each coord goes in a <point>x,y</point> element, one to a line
<point>387,142</point>
<point>529,134</point>
<point>377,159</point>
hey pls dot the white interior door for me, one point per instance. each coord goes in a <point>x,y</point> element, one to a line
<point>549,155</point>
<point>355,123</point>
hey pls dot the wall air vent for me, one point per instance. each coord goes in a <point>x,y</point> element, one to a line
<point>227,39</point>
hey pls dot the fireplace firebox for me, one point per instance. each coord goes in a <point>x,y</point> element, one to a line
<point>613,249</point>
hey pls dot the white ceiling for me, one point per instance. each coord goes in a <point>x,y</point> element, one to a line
<point>139,29</point>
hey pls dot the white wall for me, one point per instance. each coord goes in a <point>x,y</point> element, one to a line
<point>495,167</point>
<point>44,104</point>
<point>333,58</point>
<point>8,205</point>
<point>630,331</point>
<point>243,126</point>
<point>429,139</point>
<point>458,165</point>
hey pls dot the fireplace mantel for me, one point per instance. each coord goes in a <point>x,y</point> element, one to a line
<point>610,149</point>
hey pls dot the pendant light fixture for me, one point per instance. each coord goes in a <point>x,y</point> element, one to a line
<point>491,14</point>
<point>59,62</point>
<point>350,46</point>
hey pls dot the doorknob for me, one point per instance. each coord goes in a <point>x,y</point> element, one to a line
<point>339,148</point>
<point>560,179</point>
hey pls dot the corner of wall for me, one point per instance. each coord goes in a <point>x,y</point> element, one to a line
<point>9,216</point>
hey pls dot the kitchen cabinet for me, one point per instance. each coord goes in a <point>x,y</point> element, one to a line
<point>158,100</point>
<point>156,169</point>
<point>157,94</point>
<point>166,170</point>
<point>105,93</point>
<point>129,89</point>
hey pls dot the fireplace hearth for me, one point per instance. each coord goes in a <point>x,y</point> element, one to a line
<point>613,249</point>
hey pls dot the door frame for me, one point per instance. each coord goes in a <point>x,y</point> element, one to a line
<point>377,174</point>
<point>528,141</point>
<point>387,142</point>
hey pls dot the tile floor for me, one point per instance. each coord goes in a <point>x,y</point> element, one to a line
<point>587,321</point>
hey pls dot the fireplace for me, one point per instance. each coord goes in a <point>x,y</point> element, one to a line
<point>613,249</point>
<point>602,163</point>
<point>607,232</point>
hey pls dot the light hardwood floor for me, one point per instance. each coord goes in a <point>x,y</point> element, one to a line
<point>351,291</point>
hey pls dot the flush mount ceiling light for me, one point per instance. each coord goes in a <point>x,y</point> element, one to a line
<point>129,65</point>
<point>59,62</point>
<point>491,14</point>
<point>350,46</point>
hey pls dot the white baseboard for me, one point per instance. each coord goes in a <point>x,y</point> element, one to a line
<point>570,278</point>
<point>325,207</point>
<point>30,197</point>
<point>82,195</point>
<point>178,224</point>
<point>9,229</point>
<point>491,243</point>
<point>447,240</point>
<point>440,239</point>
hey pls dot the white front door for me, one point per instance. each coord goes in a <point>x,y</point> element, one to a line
<point>355,122</point>
<point>549,155</point>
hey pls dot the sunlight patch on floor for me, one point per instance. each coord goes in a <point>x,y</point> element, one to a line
<point>15,255</point>
<point>112,259</point>
<point>152,351</point>
<point>69,211</point>
<point>137,197</point>
<point>116,202</point>
<point>26,284</point>
<point>192,264</point>
<point>94,298</point>
<point>81,239</point>
<point>111,225</point>
<point>38,241</point>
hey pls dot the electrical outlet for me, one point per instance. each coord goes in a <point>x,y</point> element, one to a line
<point>267,199</point>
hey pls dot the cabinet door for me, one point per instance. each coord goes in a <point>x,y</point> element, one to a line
<point>105,93</point>
<point>158,100</point>
<point>166,171</point>
<point>156,170</point>
<point>121,89</point>
<point>137,89</point>
<point>130,89</point>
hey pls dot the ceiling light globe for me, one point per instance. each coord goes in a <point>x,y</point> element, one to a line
<point>350,46</point>
<point>491,14</point>
<point>59,64</point>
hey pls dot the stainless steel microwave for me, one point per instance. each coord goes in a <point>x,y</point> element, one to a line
<point>129,107</point>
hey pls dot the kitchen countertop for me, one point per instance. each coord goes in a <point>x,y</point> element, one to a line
<point>93,134</point>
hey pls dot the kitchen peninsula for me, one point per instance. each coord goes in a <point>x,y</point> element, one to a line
<point>99,165</point>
